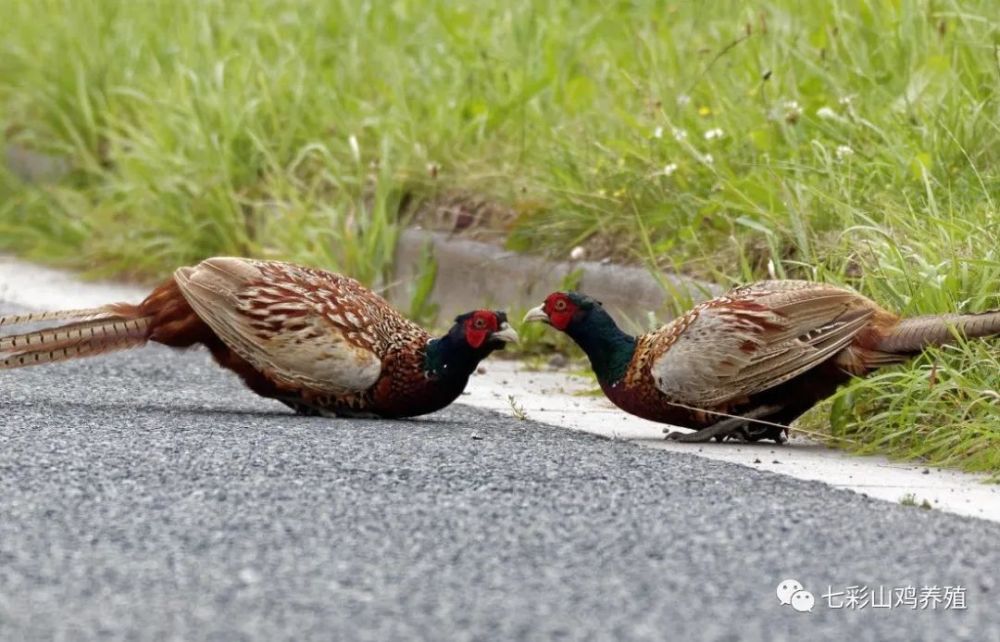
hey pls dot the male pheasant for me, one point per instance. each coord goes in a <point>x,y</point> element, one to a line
<point>319,342</point>
<point>759,355</point>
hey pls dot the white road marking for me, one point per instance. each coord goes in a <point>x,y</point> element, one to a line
<point>565,400</point>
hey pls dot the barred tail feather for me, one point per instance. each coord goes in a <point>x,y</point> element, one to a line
<point>73,340</point>
<point>58,315</point>
<point>67,352</point>
<point>83,330</point>
<point>915,334</point>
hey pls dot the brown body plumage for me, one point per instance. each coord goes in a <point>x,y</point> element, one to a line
<point>318,341</point>
<point>768,352</point>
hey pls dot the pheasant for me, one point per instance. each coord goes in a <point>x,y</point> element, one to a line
<point>748,363</point>
<point>318,342</point>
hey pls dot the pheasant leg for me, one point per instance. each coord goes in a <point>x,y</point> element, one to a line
<point>317,411</point>
<point>720,428</point>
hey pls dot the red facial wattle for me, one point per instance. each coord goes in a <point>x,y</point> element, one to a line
<point>560,310</point>
<point>479,326</point>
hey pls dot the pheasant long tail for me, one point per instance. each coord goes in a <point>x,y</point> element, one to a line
<point>917,333</point>
<point>57,315</point>
<point>96,331</point>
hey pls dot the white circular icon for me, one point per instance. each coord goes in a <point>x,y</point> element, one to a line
<point>786,589</point>
<point>803,601</point>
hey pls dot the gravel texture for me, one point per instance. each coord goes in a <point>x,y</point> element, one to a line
<point>147,496</point>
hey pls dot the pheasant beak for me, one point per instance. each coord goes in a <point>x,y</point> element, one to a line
<point>505,334</point>
<point>537,314</point>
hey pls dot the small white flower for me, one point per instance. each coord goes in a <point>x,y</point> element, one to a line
<point>683,100</point>
<point>712,134</point>
<point>679,134</point>
<point>669,169</point>
<point>845,101</point>
<point>843,151</point>
<point>826,113</point>
<point>658,132</point>
<point>793,105</point>
<point>707,159</point>
<point>577,253</point>
<point>352,141</point>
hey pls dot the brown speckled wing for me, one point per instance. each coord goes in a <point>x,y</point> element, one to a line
<point>299,326</point>
<point>753,339</point>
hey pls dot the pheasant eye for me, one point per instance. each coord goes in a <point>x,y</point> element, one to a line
<point>480,323</point>
<point>560,305</point>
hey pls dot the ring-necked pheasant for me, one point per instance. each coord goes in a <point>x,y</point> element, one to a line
<point>766,352</point>
<point>317,341</point>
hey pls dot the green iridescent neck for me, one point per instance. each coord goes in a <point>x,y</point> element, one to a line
<point>610,350</point>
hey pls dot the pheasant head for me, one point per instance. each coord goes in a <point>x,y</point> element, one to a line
<point>585,320</point>
<point>472,338</point>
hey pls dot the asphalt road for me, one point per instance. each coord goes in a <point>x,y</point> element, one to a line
<point>147,496</point>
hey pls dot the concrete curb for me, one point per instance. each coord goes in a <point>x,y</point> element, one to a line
<point>473,273</point>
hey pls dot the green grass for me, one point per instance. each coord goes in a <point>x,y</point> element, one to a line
<point>860,143</point>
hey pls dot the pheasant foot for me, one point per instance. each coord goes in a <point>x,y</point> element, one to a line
<point>723,428</point>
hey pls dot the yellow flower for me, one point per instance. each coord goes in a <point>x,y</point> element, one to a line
<point>704,110</point>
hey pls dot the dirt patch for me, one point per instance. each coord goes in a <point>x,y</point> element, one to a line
<point>465,215</point>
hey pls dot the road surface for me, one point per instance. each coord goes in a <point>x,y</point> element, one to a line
<point>148,496</point>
